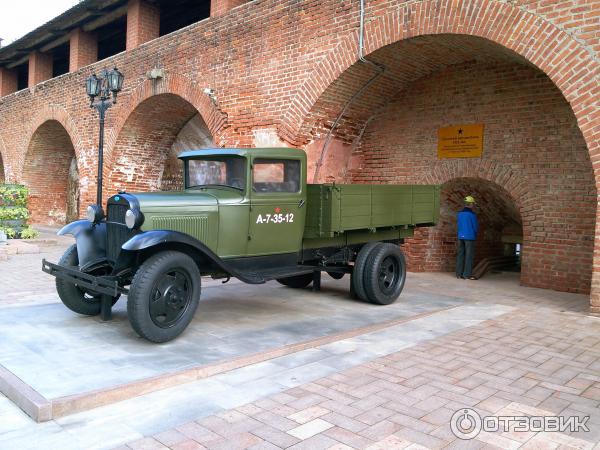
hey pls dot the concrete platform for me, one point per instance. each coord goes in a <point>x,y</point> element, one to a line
<point>55,363</point>
<point>114,424</point>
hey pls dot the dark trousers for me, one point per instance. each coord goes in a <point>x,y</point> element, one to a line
<point>464,258</point>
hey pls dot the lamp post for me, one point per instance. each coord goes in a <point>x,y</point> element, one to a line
<point>105,88</point>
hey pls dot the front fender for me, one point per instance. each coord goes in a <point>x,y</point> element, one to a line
<point>74,228</point>
<point>90,239</point>
<point>152,238</point>
<point>160,238</point>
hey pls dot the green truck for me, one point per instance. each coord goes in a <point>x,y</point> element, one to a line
<point>243,213</point>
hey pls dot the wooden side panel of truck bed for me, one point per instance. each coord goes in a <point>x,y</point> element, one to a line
<point>335,209</point>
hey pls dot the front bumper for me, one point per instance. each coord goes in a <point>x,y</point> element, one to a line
<point>102,285</point>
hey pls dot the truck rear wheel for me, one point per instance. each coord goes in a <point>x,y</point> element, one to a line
<point>357,278</point>
<point>297,281</point>
<point>164,296</point>
<point>73,297</point>
<point>385,274</point>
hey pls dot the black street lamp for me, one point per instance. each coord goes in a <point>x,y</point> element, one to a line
<point>105,87</point>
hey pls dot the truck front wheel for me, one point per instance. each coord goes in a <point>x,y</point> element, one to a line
<point>164,296</point>
<point>385,274</point>
<point>73,297</point>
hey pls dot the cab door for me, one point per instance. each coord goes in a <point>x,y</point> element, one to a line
<point>277,206</point>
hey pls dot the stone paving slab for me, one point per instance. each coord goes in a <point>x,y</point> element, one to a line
<point>138,416</point>
<point>59,353</point>
<point>495,368</point>
<point>544,355</point>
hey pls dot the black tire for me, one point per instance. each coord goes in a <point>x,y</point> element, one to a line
<point>336,275</point>
<point>385,274</point>
<point>297,281</point>
<point>162,316</point>
<point>76,299</point>
<point>358,283</point>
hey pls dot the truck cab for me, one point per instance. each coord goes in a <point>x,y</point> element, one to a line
<point>239,202</point>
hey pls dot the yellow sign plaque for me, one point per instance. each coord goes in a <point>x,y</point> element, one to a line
<point>461,141</point>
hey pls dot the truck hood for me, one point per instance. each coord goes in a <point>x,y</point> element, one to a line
<point>174,199</point>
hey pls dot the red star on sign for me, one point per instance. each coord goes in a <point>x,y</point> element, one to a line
<point>277,210</point>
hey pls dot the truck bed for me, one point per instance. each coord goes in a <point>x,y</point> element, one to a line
<point>334,209</point>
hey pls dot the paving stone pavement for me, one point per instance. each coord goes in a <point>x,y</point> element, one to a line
<point>539,356</point>
<point>21,278</point>
<point>542,359</point>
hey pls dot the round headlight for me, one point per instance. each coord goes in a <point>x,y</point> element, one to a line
<point>133,218</point>
<point>94,213</point>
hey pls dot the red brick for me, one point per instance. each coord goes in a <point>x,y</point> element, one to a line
<point>143,23</point>
<point>83,49</point>
<point>40,68</point>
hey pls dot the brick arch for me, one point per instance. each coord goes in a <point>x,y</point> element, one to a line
<point>60,115</point>
<point>179,85</point>
<point>499,174</point>
<point>46,169</point>
<point>432,249</point>
<point>573,70</point>
<point>143,154</point>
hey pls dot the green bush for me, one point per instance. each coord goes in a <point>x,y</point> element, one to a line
<point>11,233</point>
<point>13,207</point>
<point>29,233</point>
<point>13,195</point>
<point>25,233</point>
<point>13,213</point>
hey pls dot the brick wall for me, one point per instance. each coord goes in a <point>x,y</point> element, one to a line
<point>221,7</point>
<point>289,67</point>
<point>534,152</point>
<point>40,68</point>
<point>46,173</point>
<point>143,23</point>
<point>8,81</point>
<point>83,49</point>
<point>148,136</point>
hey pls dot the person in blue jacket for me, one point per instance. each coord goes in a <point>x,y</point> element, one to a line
<point>468,226</point>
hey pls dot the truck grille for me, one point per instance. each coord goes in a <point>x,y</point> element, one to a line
<point>116,230</point>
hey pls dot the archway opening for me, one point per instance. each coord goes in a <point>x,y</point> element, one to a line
<point>532,146</point>
<point>50,172</point>
<point>145,153</point>
<point>500,241</point>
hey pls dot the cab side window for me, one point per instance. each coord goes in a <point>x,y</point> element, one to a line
<point>275,175</point>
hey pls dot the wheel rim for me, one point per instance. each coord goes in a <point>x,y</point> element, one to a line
<point>87,296</point>
<point>170,297</point>
<point>389,273</point>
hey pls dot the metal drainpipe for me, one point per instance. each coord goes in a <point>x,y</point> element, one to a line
<point>380,69</point>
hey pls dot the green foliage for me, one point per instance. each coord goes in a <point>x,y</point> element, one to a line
<point>13,207</point>
<point>11,233</point>
<point>25,233</point>
<point>13,213</point>
<point>29,233</point>
<point>13,195</point>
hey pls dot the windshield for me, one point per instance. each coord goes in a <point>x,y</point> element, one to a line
<point>229,171</point>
